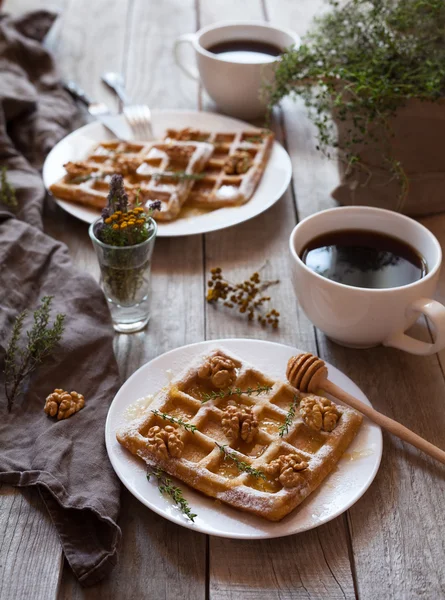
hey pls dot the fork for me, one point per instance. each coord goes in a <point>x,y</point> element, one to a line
<point>137,115</point>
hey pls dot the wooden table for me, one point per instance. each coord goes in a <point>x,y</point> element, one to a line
<point>391,543</point>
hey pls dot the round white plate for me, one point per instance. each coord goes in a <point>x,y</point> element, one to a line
<point>340,490</point>
<point>274,182</point>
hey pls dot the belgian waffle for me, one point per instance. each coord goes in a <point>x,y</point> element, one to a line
<point>160,170</point>
<point>227,182</point>
<point>196,458</point>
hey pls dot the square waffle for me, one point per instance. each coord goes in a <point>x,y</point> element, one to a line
<point>234,169</point>
<point>195,457</point>
<point>157,169</point>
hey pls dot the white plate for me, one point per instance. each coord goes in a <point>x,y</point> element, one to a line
<point>77,145</point>
<point>338,492</point>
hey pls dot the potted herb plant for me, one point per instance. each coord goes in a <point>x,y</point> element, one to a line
<point>376,70</point>
<point>123,238</point>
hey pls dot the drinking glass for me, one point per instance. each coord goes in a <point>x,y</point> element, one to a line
<point>125,279</point>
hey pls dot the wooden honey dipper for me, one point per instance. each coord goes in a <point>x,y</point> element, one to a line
<point>308,373</point>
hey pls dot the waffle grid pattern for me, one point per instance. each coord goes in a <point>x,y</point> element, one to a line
<point>137,163</point>
<point>203,466</point>
<point>217,189</point>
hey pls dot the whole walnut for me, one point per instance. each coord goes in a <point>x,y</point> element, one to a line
<point>165,442</point>
<point>319,413</point>
<point>220,370</point>
<point>287,469</point>
<point>239,422</point>
<point>63,404</point>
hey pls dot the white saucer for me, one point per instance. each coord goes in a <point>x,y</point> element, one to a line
<point>77,145</point>
<point>338,492</point>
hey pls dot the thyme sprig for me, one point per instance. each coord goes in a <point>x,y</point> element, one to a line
<point>179,175</point>
<point>7,192</point>
<point>247,296</point>
<point>175,420</point>
<point>41,341</point>
<point>82,178</point>
<point>166,487</point>
<point>284,428</point>
<point>236,392</point>
<point>361,62</point>
<point>241,465</point>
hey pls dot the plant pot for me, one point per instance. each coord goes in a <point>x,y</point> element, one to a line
<point>419,131</point>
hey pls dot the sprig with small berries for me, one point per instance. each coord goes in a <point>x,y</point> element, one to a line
<point>260,389</point>
<point>175,421</point>
<point>241,465</point>
<point>284,428</point>
<point>123,224</point>
<point>7,192</point>
<point>166,487</point>
<point>247,296</point>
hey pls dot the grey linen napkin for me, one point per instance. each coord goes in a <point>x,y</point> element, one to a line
<point>66,460</point>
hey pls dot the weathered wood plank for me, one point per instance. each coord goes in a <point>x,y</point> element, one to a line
<point>31,557</point>
<point>158,559</point>
<point>399,519</point>
<point>314,564</point>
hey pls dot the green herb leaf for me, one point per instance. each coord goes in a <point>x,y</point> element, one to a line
<point>41,341</point>
<point>166,487</point>
<point>284,429</point>
<point>241,465</point>
<point>7,192</point>
<point>260,389</point>
<point>175,420</point>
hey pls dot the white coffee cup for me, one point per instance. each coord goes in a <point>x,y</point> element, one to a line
<point>361,317</point>
<point>235,87</point>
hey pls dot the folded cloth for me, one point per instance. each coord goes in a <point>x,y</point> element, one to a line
<point>66,460</point>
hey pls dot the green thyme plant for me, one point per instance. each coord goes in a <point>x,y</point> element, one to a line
<point>42,339</point>
<point>7,192</point>
<point>360,63</point>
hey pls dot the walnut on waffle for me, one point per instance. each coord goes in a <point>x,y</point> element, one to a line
<point>234,169</point>
<point>157,171</point>
<point>245,426</point>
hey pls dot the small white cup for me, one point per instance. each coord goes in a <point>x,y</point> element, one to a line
<point>361,317</point>
<point>235,87</point>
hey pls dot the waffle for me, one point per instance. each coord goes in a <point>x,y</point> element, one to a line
<point>196,459</point>
<point>224,184</point>
<point>87,182</point>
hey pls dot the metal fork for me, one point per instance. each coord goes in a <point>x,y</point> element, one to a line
<point>139,118</point>
<point>137,115</point>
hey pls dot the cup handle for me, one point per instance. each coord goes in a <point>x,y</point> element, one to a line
<point>435,311</point>
<point>190,71</point>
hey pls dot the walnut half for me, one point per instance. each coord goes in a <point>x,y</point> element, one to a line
<point>220,370</point>
<point>287,469</point>
<point>165,442</point>
<point>319,413</point>
<point>240,162</point>
<point>63,404</point>
<point>239,422</point>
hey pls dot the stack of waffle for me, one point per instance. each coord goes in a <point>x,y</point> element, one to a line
<point>200,169</point>
<point>225,429</point>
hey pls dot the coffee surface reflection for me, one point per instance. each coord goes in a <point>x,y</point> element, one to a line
<point>363,258</point>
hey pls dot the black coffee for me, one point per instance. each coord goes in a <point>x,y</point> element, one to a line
<point>246,51</point>
<point>362,258</point>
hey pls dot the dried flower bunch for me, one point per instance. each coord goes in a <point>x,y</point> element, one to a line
<point>7,192</point>
<point>122,224</point>
<point>41,341</point>
<point>246,296</point>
